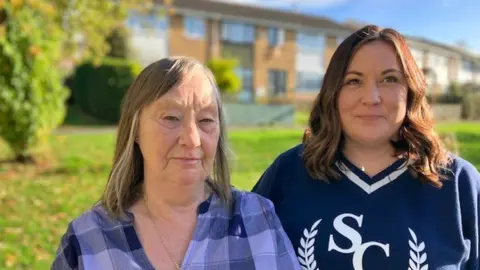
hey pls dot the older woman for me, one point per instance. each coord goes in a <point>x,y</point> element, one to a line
<point>372,187</point>
<point>168,203</point>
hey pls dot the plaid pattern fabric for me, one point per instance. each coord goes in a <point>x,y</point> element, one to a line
<point>250,237</point>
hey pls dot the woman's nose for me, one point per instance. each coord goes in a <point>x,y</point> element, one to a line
<point>371,94</point>
<point>190,136</point>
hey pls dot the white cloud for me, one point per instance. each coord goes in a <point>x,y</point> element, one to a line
<point>289,3</point>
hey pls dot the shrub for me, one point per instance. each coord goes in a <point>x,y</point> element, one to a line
<point>118,43</point>
<point>455,89</point>
<point>450,141</point>
<point>445,99</point>
<point>99,89</point>
<point>471,106</point>
<point>32,97</point>
<point>223,70</point>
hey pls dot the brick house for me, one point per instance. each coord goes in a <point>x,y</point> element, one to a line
<point>282,55</point>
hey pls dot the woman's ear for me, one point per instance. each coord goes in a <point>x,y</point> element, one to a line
<point>306,135</point>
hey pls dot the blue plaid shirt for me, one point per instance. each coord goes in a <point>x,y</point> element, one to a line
<point>250,237</point>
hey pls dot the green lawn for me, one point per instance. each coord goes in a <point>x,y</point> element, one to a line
<point>37,204</point>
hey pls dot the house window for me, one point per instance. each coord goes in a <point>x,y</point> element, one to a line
<point>307,41</point>
<point>277,82</point>
<point>194,27</point>
<point>276,36</point>
<point>245,75</point>
<point>139,23</point>
<point>309,81</point>
<point>467,65</point>
<point>238,32</point>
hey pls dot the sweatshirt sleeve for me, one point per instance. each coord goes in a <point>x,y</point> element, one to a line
<point>468,178</point>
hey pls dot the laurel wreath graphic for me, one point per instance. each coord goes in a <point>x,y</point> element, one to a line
<point>305,252</point>
<point>417,256</point>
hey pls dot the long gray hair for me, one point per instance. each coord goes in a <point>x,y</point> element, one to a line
<point>124,186</point>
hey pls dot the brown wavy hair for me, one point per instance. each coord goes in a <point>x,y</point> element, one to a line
<point>324,139</point>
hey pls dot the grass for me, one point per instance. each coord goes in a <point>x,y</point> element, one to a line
<point>38,203</point>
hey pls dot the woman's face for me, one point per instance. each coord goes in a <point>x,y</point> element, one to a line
<point>179,132</point>
<point>373,99</point>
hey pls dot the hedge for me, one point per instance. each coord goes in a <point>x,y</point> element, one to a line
<point>99,89</point>
<point>471,106</point>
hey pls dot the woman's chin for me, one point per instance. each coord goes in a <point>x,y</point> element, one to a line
<point>189,178</point>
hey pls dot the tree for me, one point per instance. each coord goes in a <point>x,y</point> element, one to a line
<point>223,70</point>
<point>118,43</point>
<point>36,37</point>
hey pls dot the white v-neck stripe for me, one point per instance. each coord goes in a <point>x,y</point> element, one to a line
<point>369,189</point>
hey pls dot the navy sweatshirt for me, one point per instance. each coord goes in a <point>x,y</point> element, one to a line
<point>389,221</point>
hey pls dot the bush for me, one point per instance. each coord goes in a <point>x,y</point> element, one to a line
<point>456,90</point>
<point>223,70</point>
<point>445,99</point>
<point>99,89</point>
<point>455,93</point>
<point>118,43</point>
<point>471,106</point>
<point>450,142</point>
<point>472,88</point>
<point>32,96</point>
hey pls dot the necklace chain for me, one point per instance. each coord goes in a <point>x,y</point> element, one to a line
<point>177,265</point>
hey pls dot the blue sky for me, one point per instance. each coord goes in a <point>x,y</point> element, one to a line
<point>446,21</point>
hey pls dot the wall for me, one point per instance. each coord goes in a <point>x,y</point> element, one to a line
<point>258,115</point>
<point>465,74</point>
<point>179,44</point>
<point>266,57</point>
<point>439,65</point>
<point>418,57</point>
<point>315,63</point>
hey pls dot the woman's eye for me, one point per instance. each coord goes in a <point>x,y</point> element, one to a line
<point>352,82</point>
<point>391,79</point>
<point>171,118</point>
<point>207,120</point>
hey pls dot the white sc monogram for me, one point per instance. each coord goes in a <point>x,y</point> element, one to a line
<point>306,251</point>
<point>358,248</point>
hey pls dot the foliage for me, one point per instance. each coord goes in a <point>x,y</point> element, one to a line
<point>455,93</point>
<point>455,89</point>
<point>471,87</point>
<point>444,99</point>
<point>103,86</point>
<point>32,96</point>
<point>36,38</point>
<point>471,106</point>
<point>86,23</point>
<point>118,43</point>
<point>223,70</point>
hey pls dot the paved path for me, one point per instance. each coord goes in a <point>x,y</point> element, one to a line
<point>84,130</point>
